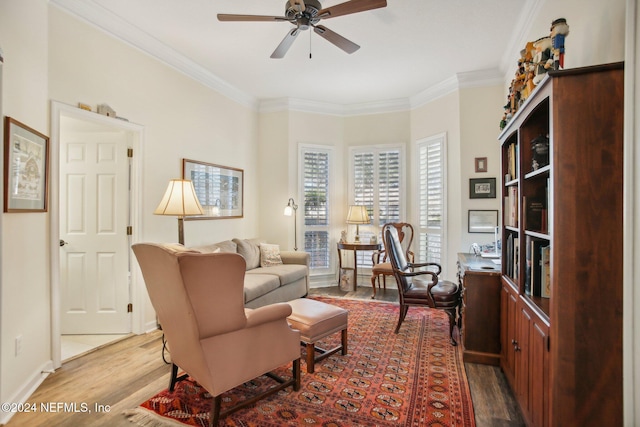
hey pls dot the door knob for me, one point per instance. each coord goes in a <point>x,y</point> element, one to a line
<point>62,243</point>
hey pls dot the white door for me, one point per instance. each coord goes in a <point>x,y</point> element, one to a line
<point>94,216</point>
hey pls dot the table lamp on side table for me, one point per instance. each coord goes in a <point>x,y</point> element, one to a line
<point>358,215</point>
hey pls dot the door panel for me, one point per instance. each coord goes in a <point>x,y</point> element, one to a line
<point>94,215</point>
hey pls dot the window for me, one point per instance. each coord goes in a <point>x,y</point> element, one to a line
<point>315,166</point>
<point>431,199</point>
<point>377,178</point>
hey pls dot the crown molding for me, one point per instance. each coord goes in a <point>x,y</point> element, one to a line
<point>103,19</point>
<point>480,78</point>
<point>529,12</point>
<point>434,92</point>
<point>316,107</point>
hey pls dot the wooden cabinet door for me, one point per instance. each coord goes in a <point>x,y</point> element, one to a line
<point>539,386</point>
<point>522,359</point>
<point>508,332</point>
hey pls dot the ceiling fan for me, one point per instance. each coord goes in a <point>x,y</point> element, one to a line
<point>307,13</point>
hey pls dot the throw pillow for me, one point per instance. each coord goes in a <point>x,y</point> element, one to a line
<point>250,250</point>
<point>270,255</point>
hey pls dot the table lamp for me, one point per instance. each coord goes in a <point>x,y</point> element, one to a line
<point>358,215</point>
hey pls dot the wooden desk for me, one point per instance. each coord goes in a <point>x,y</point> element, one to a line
<point>355,247</point>
<point>481,287</point>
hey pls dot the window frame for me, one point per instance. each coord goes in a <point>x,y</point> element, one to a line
<point>302,228</point>
<point>375,227</point>
<point>420,253</point>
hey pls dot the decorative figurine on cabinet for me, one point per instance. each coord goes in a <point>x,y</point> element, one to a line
<point>559,31</point>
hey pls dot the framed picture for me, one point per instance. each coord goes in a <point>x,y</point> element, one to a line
<point>26,168</point>
<point>483,221</point>
<point>482,188</point>
<point>220,189</point>
<point>481,164</point>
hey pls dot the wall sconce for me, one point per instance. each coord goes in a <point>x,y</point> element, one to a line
<point>289,210</point>
<point>179,200</point>
<point>358,215</point>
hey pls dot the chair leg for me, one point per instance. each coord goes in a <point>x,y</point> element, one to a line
<point>452,323</point>
<point>296,374</point>
<point>344,342</point>
<point>215,411</point>
<point>174,377</point>
<point>403,313</point>
<point>373,285</point>
<point>384,281</point>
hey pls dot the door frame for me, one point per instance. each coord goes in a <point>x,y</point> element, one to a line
<point>136,289</point>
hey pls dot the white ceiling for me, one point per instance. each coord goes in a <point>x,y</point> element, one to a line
<point>406,48</point>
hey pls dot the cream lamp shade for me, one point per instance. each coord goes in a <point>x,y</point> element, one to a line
<point>179,200</point>
<point>358,215</point>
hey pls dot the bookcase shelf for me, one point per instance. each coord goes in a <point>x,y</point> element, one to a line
<point>562,186</point>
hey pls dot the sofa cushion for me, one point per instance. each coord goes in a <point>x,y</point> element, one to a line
<point>226,246</point>
<point>256,285</point>
<point>269,255</point>
<point>287,273</point>
<point>250,251</point>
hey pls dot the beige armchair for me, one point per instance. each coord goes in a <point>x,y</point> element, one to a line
<point>212,337</point>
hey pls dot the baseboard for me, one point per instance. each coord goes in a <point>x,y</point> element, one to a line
<point>25,392</point>
<point>150,326</point>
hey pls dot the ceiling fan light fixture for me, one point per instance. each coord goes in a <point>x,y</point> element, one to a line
<point>308,13</point>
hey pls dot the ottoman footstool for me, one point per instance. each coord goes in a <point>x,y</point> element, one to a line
<point>316,320</point>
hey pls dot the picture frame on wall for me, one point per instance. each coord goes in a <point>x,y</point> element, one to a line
<point>482,221</point>
<point>26,168</point>
<point>481,164</point>
<point>220,189</point>
<point>482,188</point>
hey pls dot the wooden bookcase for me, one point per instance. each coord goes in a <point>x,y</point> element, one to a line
<point>561,350</point>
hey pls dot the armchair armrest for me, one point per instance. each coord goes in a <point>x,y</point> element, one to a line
<point>375,256</point>
<point>426,264</point>
<point>293,257</point>
<point>266,314</point>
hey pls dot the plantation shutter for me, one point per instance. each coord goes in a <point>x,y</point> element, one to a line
<point>315,176</point>
<point>431,199</point>
<point>377,178</point>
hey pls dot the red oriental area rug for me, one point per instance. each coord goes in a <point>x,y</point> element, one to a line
<point>415,378</point>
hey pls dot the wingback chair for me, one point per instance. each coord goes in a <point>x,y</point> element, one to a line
<point>381,264</point>
<point>199,301</point>
<point>419,285</point>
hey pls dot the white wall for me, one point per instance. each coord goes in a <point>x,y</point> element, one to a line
<point>25,255</point>
<point>480,112</point>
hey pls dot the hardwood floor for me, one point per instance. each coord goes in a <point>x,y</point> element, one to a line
<point>118,377</point>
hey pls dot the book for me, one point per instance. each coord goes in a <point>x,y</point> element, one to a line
<point>527,271</point>
<point>535,213</point>
<point>536,267</point>
<point>545,277</point>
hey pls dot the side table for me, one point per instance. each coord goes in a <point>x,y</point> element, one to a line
<point>355,247</point>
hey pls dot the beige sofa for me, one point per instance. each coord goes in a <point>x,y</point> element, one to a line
<point>273,282</point>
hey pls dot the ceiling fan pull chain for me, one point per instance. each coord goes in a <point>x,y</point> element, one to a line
<point>310,35</point>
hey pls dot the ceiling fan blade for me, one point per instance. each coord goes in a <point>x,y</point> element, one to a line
<point>353,6</point>
<point>335,38</point>
<point>250,18</point>
<point>285,44</point>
